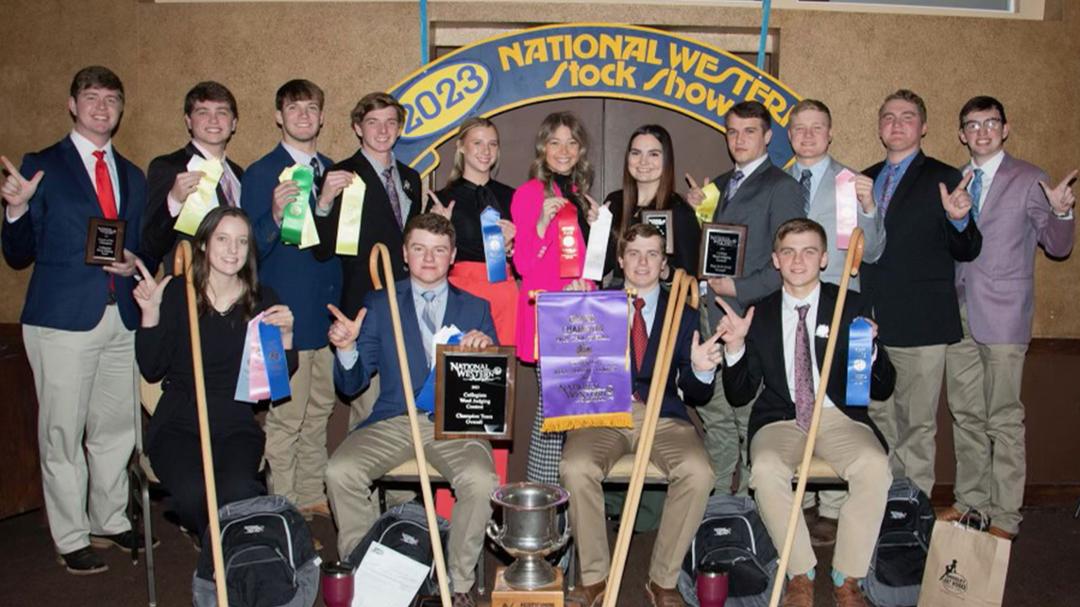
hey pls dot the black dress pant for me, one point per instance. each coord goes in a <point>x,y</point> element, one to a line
<point>176,457</point>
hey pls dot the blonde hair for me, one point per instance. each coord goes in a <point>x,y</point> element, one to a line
<point>582,174</point>
<point>476,122</point>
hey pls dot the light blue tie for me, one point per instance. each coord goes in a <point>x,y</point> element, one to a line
<point>428,318</point>
<point>975,189</point>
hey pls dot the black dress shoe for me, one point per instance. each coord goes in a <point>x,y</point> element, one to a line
<point>83,561</point>
<point>128,540</point>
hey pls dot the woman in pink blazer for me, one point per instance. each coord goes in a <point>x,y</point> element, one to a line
<point>560,175</point>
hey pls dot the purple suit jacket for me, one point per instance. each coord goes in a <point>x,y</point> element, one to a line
<point>999,285</point>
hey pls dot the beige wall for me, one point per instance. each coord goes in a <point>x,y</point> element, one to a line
<point>849,60</point>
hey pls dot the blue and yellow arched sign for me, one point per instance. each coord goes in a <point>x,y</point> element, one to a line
<point>581,60</point>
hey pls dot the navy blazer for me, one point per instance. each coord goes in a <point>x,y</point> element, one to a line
<point>682,374</point>
<point>65,292</point>
<point>158,233</point>
<point>912,285</point>
<point>378,351</point>
<point>304,280</point>
<point>764,360</point>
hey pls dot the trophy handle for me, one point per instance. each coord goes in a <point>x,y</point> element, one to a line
<point>565,537</point>
<point>495,533</point>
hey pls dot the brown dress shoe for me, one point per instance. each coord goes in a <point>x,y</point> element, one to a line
<point>799,592</point>
<point>999,532</point>
<point>849,595</point>
<point>822,531</point>
<point>971,518</point>
<point>587,596</point>
<point>663,597</point>
<point>950,515</point>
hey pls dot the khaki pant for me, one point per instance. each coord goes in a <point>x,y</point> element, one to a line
<point>983,383</point>
<point>296,430</point>
<point>908,419</point>
<point>370,452</point>
<point>587,457</point>
<point>86,384</point>
<point>854,452</point>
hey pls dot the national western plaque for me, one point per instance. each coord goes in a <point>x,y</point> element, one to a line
<point>723,248</point>
<point>474,392</point>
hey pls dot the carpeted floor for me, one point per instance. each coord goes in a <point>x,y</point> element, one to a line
<point>1043,570</point>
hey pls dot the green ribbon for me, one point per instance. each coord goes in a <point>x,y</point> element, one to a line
<point>296,212</point>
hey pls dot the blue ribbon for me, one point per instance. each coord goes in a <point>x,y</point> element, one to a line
<point>860,362</point>
<point>494,245</point>
<point>425,400</point>
<point>277,368</point>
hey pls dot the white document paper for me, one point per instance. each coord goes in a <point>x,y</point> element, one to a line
<point>386,578</point>
<point>596,251</point>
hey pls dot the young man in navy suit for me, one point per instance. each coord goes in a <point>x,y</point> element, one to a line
<point>210,115</point>
<point>781,343</point>
<point>366,345</point>
<point>678,451</point>
<point>306,280</point>
<point>79,320</point>
<point>1017,211</point>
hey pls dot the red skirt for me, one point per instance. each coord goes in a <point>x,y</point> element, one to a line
<point>471,277</point>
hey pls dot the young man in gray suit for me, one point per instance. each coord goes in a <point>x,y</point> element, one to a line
<point>810,133</point>
<point>760,196</point>
<point>1016,211</point>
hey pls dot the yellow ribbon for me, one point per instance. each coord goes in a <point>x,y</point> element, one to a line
<point>352,208</point>
<point>204,198</point>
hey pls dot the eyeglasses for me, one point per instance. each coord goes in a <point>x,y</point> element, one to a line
<point>990,124</point>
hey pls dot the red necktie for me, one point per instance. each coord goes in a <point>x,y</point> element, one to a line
<point>107,200</point>
<point>638,336</point>
<point>104,186</point>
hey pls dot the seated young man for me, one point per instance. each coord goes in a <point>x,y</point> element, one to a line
<point>365,345</point>
<point>781,341</point>
<point>678,451</point>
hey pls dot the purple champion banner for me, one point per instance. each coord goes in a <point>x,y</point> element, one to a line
<point>584,341</point>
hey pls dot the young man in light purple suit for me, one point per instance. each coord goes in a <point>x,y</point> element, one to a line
<point>1016,210</point>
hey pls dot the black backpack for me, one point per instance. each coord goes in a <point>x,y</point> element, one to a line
<point>404,529</point>
<point>732,536</point>
<point>270,560</point>
<point>896,567</point>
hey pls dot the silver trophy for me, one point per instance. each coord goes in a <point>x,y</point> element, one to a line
<point>530,531</point>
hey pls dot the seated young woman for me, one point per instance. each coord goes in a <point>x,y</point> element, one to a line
<point>228,295</point>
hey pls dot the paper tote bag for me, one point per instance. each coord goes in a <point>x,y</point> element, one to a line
<point>964,567</point>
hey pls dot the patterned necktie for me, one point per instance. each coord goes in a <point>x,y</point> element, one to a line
<point>975,189</point>
<point>887,191</point>
<point>804,181</point>
<point>392,193</point>
<point>804,375</point>
<point>103,184</point>
<point>228,187</point>
<point>638,336</point>
<point>733,184</point>
<point>428,318</point>
<point>316,174</point>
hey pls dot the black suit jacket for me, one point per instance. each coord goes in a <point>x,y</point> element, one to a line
<point>158,235</point>
<point>377,224</point>
<point>681,377</point>
<point>764,361</point>
<point>912,286</point>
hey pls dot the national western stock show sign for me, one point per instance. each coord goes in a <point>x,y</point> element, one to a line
<point>581,60</point>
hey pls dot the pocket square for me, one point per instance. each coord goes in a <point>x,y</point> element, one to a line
<point>822,332</point>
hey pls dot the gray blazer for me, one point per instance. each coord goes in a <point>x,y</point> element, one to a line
<point>766,198</point>
<point>823,211</point>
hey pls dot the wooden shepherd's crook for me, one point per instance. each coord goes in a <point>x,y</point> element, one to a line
<point>851,267</point>
<point>380,251</point>
<point>182,265</point>
<point>682,286</point>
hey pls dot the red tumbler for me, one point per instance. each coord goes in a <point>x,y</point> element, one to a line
<point>712,585</point>
<point>337,584</point>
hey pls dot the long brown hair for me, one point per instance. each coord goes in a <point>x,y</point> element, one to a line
<point>667,174</point>
<point>475,122</point>
<point>582,175</point>
<point>200,265</point>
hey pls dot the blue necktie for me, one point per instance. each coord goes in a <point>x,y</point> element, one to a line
<point>733,184</point>
<point>804,181</point>
<point>975,189</point>
<point>889,186</point>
